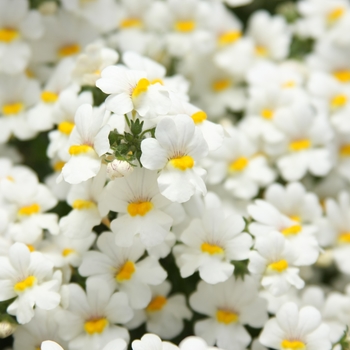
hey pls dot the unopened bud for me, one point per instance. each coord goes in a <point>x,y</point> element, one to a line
<point>48,8</point>
<point>325,259</point>
<point>119,168</point>
<point>6,329</point>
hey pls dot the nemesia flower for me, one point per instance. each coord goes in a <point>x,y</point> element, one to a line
<point>18,23</point>
<point>124,269</point>
<point>296,329</point>
<point>165,314</point>
<point>18,94</point>
<point>92,61</point>
<point>210,244</point>
<point>178,145</point>
<point>50,345</point>
<point>85,214</point>
<point>90,320</point>
<point>88,141</point>
<point>228,305</point>
<point>41,327</point>
<point>152,341</point>
<point>40,117</point>
<point>140,208</point>
<point>273,261</point>
<point>132,90</point>
<point>29,278</point>
<point>301,237</point>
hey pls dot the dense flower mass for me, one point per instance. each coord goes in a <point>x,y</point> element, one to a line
<point>174,174</point>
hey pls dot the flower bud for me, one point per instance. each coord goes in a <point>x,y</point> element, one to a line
<point>119,168</point>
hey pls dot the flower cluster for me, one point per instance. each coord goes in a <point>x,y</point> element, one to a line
<point>197,182</point>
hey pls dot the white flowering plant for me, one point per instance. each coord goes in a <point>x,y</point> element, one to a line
<point>174,174</point>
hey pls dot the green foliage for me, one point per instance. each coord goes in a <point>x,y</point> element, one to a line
<point>127,146</point>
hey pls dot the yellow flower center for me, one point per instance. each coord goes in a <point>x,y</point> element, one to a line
<point>239,164</point>
<point>29,209</point>
<point>8,34</point>
<point>155,81</point>
<point>65,127</point>
<point>335,14</point>
<point>344,150</point>
<point>75,150</point>
<point>344,237</point>
<point>69,50</point>
<point>229,37</point>
<point>278,266</point>
<point>339,101</point>
<point>221,84</point>
<point>199,117</point>
<point>267,113</point>
<point>183,163</point>
<point>12,108</point>
<point>126,271</point>
<point>141,87</point>
<point>226,317</point>
<point>30,247</point>
<point>130,23</point>
<point>95,326</point>
<point>288,84</point>
<point>342,75</point>
<point>49,96</point>
<point>211,248</point>
<point>292,230</point>
<point>185,26</point>
<point>261,51</point>
<point>139,208</point>
<point>295,218</point>
<point>58,166</point>
<point>299,145</point>
<point>83,204</point>
<point>24,284</point>
<point>67,251</point>
<point>292,345</point>
<point>157,303</point>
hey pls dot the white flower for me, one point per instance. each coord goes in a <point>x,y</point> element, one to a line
<point>193,342</point>
<point>63,114</point>
<point>89,321</point>
<point>124,269</point>
<point>41,327</point>
<point>28,202</point>
<point>152,341</point>
<point>84,199</point>
<point>132,90</point>
<point>90,64</point>
<point>339,230</point>
<point>88,142</point>
<point>271,35</point>
<point>50,345</point>
<point>41,117</point>
<point>29,278</point>
<point>174,151</point>
<point>229,306</point>
<point>301,237</point>
<point>296,329</point>
<point>274,261</point>
<point>140,208</point>
<point>65,36</point>
<point>210,244</point>
<point>307,136</point>
<point>239,165</point>
<point>294,202</point>
<point>17,95</point>
<point>165,314</point>
<point>17,24</point>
